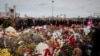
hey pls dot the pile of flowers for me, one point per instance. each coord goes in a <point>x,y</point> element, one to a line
<point>56,42</point>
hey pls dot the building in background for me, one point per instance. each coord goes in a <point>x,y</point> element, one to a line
<point>9,12</point>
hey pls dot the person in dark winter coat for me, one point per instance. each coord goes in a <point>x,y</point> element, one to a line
<point>96,41</point>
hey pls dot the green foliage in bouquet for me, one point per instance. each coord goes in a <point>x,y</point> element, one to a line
<point>27,41</point>
<point>37,36</point>
<point>66,50</point>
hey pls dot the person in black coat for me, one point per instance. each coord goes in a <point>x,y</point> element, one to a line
<point>96,42</point>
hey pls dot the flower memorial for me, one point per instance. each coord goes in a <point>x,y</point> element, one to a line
<point>41,41</point>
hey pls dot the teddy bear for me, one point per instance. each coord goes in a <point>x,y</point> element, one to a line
<point>4,52</point>
<point>10,31</point>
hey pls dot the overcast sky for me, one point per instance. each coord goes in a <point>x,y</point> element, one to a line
<point>39,8</point>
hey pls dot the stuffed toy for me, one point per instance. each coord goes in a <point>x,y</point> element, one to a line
<point>10,31</point>
<point>4,52</point>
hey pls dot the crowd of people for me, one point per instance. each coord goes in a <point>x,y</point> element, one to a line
<point>29,22</point>
<point>49,37</point>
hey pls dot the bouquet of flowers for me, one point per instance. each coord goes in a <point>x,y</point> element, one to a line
<point>66,50</point>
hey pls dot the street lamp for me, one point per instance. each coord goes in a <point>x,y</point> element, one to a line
<point>52,8</point>
<point>6,7</point>
<point>14,7</point>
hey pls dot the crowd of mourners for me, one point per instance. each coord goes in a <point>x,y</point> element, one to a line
<point>29,22</point>
<point>49,37</point>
